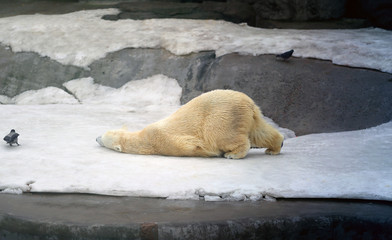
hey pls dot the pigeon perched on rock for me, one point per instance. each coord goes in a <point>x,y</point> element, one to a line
<point>284,56</point>
<point>12,137</point>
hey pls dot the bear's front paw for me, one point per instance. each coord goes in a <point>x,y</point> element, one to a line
<point>271,152</point>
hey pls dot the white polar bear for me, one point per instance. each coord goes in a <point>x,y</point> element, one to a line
<point>216,123</point>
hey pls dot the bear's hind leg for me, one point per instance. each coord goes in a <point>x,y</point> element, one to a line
<point>239,150</point>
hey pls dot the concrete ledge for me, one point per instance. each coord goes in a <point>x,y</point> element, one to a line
<point>77,216</point>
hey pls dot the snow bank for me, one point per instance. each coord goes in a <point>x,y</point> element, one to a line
<point>79,38</point>
<point>155,90</point>
<point>49,95</point>
<point>58,153</point>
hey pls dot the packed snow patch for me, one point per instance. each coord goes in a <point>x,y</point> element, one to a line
<point>155,90</point>
<point>49,95</point>
<point>79,38</point>
<point>58,153</point>
<point>158,89</point>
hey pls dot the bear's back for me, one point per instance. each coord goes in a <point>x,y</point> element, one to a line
<point>212,110</point>
<point>220,99</point>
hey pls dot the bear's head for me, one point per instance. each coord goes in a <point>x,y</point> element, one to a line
<point>112,140</point>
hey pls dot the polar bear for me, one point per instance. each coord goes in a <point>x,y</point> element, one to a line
<point>217,123</point>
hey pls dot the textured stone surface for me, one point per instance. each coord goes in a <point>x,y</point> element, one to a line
<point>132,64</point>
<point>24,71</point>
<point>379,12</point>
<point>19,7</point>
<point>254,13</point>
<point>306,95</point>
<point>300,10</point>
<point>236,12</point>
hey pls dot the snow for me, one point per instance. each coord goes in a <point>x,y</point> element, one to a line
<point>58,152</point>
<point>49,95</point>
<point>57,127</point>
<point>79,38</point>
<point>141,93</point>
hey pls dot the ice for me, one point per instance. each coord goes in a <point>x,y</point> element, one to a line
<point>58,153</point>
<point>79,38</point>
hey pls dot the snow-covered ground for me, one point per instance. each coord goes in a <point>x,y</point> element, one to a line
<point>79,38</point>
<point>58,152</point>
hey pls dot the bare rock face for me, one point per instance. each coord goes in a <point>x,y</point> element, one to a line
<point>378,12</point>
<point>306,95</point>
<point>24,71</point>
<point>234,11</point>
<point>254,13</point>
<point>120,67</point>
<point>299,10</point>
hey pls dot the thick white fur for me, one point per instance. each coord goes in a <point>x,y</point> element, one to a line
<point>220,122</point>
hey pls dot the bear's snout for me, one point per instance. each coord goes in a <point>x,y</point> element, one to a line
<point>99,140</point>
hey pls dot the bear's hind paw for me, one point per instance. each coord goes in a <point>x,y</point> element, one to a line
<point>271,152</point>
<point>231,155</point>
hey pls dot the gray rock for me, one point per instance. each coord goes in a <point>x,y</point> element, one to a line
<point>24,71</point>
<point>299,10</point>
<point>306,95</point>
<point>379,12</point>
<point>19,7</point>
<point>120,67</point>
<point>309,14</point>
<point>234,11</point>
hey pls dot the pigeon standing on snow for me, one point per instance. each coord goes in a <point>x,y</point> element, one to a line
<point>12,138</point>
<point>285,55</point>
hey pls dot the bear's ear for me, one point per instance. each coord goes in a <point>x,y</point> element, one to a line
<point>117,148</point>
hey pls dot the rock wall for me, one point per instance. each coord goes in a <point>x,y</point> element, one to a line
<point>254,13</point>
<point>300,10</point>
<point>378,12</point>
<point>236,12</point>
<point>265,13</point>
<point>131,64</point>
<point>24,71</point>
<point>305,95</point>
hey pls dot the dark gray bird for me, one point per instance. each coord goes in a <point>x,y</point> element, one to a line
<point>12,137</point>
<point>284,56</point>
